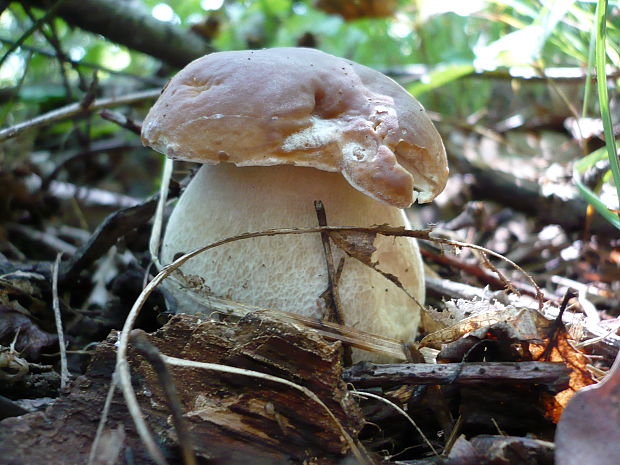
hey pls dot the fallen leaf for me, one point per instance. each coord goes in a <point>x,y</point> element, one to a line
<point>30,338</point>
<point>588,431</point>
<point>559,349</point>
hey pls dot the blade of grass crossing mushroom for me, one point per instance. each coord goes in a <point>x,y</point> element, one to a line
<point>158,219</point>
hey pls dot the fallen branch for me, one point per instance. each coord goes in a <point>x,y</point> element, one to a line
<point>122,22</point>
<point>550,374</point>
<point>527,196</point>
<point>75,109</point>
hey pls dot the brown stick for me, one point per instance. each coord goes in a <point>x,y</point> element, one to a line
<point>75,109</point>
<point>553,375</point>
<point>123,23</point>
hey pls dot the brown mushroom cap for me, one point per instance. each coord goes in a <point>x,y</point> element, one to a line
<point>303,107</point>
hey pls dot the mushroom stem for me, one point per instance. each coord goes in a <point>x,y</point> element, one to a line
<point>288,272</point>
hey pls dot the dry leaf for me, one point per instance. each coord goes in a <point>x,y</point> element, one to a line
<point>360,245</point>
<point>561,350</point>
<point>525,324</point>
<point>588,431</point>
<point>30,338</point>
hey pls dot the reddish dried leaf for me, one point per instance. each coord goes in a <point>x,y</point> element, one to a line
<point>561,350</point>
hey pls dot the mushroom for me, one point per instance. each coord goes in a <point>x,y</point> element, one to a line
<point>275,130</point>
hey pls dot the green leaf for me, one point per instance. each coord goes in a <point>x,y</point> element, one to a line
<point>440,77</point>
<point>590,196</point>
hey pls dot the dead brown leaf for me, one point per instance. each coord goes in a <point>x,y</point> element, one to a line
<point>558,348</point>
<point>588,430</point>
<point>29,338</point>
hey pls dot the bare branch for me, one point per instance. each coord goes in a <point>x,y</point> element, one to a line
<point>122,22</point>
<point>75,109</point>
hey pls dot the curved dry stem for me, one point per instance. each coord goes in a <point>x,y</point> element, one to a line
<point>94,448</point>
<point>399,410</point>
<point>122,365</point>
<point>64,370</point>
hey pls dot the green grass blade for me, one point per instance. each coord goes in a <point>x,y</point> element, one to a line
<point>579,168</point>
<point>440,77</point>
<point>601,59</point>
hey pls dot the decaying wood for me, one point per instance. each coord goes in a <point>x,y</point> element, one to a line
<point>550,374</point>
<point>232,419</point>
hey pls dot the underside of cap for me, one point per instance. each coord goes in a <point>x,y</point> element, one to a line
<point>303,107</point>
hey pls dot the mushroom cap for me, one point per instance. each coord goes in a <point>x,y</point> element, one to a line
<point>303,107</point>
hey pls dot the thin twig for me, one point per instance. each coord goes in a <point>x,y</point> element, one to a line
<point>122,120</point>
<point>75,109</point>
<point>64,371</point>
<point>384,230</point>
<point>94,448</point>
<point>507,284</point>
<point>399,410</point>
<point>155,358</point>
<point>50,13</point>
<point>335,312</point>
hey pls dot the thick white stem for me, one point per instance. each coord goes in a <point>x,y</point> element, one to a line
<point>288,272</point>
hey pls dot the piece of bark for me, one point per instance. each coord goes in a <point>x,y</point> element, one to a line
<point>552,375</point>
<point>64,433</point>
<point>132,25</point>
<point>233,419</point>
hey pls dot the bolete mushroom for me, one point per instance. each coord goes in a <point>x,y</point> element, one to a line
<point>277,129</point>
